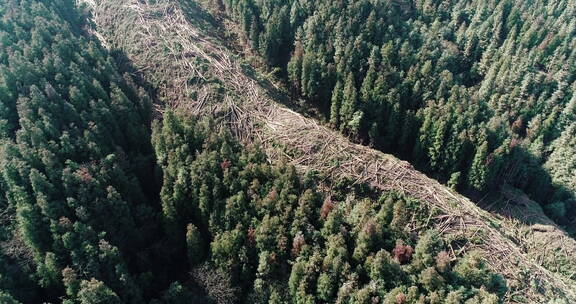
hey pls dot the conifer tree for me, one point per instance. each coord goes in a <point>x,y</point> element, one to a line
<point>479,170</point>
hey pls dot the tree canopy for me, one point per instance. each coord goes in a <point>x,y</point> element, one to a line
<point>102,203</point>
<point>482,90</point>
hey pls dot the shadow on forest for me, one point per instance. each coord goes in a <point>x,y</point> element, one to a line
<point>532,198</point>
<point>518,199</point>
<point>519,165</point>
<point>160,247</point>
<point>212,27</point>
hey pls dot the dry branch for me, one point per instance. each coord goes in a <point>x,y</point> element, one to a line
<point>165,46</point>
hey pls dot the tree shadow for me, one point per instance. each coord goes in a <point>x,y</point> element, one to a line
<point>523,189</point>
<point>211,26</point>
<point>519,185</point>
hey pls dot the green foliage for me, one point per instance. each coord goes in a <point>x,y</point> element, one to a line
<point>431,279</point>
<point>177,294</point>
<point>562,160</point>
<point>428,247</point>
<point>478,171</point>
<point>194,244</point>
<point>95,292</point>
<point>472,270</point>
<point>268,229</point>
<point>385,271</point>
<point>476,88</point>
<point>454,180</point>
<point>7,299</point>
<point>76,160</point>
<point>79,178</point>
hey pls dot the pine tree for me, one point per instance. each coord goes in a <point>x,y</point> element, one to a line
<point>479,169</point>
<point>95,292</point>
<point>349,103</point>
<point>335,105</point>
<point>562,161</point>
<point>194,245</point>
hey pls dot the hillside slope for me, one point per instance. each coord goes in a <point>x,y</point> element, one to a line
<point>475,93</point>
<point>175,47</point>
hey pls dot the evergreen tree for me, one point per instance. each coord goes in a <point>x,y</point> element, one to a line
<point>479,170</point>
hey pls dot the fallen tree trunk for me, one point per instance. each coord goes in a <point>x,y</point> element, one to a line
<point>194,72</point>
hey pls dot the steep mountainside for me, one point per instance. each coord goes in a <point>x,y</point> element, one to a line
<point>166,152</point>
<point>176,47</point>
<point>99,208</point>
<point>76,160</point>
<point>476,93</point>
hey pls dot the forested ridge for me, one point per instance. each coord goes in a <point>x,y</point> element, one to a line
<point>102,205</point>
<point>77,164</point>
<point>110,192</point>
<point>281,241</point>
<point>476,93</point>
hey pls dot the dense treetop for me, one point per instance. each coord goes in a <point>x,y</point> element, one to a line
<point>75,160</point>
<point>478,93</point>
<point>99,203</point>
<point>281,241</point>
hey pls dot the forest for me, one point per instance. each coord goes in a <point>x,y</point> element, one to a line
<point>478,94</point>
<point>109,196</point>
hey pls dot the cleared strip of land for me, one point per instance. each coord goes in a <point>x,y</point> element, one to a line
<point>175,48</point>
